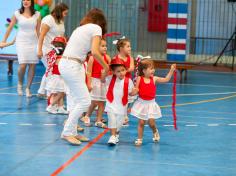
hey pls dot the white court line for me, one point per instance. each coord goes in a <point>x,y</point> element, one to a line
<point>168,125</point>
<point>13,94</point>
<point>49,124</point>
<point>25,124</point>
<point>213,124</point>
<point>213,112</point>
<point>203,117</point>
<point>232,124</point>
<point>192,125</point>
<point>3,123</point>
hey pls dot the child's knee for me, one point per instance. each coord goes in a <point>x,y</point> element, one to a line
<point>141,123</point>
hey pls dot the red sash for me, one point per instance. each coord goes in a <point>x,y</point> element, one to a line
<point>110,95</point>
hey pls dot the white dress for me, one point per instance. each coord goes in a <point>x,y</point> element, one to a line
<point>26,38</point>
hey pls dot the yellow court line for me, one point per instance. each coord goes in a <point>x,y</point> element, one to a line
<point>199,102</point>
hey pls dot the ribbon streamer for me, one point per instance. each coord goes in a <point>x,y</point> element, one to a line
<point>174,101</point>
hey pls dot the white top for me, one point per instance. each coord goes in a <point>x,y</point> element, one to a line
<point>116,105</point>
<point>80,41</point>
<point>54,31</point>
<point>27,27</point>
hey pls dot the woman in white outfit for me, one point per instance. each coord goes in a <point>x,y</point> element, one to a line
<point>52,26</point>
<point>26,42</point>
<point>85,38</point>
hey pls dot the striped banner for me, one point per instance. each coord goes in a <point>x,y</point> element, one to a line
<point>177,30</point>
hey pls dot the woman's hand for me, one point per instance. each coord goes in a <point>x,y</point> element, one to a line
<point>40,54</point>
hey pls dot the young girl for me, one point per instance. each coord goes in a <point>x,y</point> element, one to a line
<point>124,52</point>
<point>119,88</point>
<point>55,84</point>
<point>96,86</point>
<point>145,108</point>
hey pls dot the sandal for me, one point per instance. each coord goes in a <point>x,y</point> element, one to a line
<point>71,140</point>
<point>82,138</point>
<point>138,142</point>
<point>79,128</point>
<point>156,136</point>
<point>100,124</point>
<point>86,121</point>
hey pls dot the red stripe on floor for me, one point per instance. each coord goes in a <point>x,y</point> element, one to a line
<point>66,164</point>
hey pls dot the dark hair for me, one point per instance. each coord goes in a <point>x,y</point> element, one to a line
<point>58,10</point>
<point>114,66</point>
<point>144,64</point>
<point>95,16</point>
<point>60,46</point>
<point>32,10</point>
<point>121,43</point>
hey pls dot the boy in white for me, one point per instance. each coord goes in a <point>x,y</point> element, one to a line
<point>119,87</point>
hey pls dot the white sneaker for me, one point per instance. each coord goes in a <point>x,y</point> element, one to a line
<point>61,110</point>
<point>52,109</point>
<point>112,140</point>
<point>117,138</point>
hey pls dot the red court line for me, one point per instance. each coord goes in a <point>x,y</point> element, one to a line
<point>66,164</point>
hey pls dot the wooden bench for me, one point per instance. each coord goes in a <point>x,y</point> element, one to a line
<point>10,58</point>
<point>181,67</point>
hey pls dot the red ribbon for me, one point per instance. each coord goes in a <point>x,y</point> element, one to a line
<point>174,100</point>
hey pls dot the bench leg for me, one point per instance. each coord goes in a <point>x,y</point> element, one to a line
<point>10,68</point>
<point>186,74</point>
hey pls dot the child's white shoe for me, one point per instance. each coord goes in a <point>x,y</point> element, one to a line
<point>20,89</point>
<point>52,109</point>
<point>156,136</point>
<point>117,138</point>
<point>112,140</point>
<point>61,110</point>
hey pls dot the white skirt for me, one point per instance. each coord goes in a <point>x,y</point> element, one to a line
<point>146,109</point>
<point>99,90</point>
<point>55,84</point>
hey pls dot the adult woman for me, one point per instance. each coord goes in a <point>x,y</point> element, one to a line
<point>85,38</point>
<point>26,42</point>
<point>52,25</point>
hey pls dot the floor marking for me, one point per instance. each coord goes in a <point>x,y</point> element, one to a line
<point>202,101</point>
<point>232,124</point>
<point>192,125</point>
<point>24,113</point>
<point>49,124</point>
<point>168,125</point>
<point>5,88</point>
<point>213,124</point>
<point>25,124</point>
<point>3,123</point>
<point>197,94</point>
<point>213,112</point>
<point>89,145</point>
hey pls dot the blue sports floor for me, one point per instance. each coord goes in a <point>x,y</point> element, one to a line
<point>204,145</point>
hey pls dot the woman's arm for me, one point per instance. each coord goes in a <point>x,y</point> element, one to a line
<point>38,26</point>
<point>89,73</point>
<point>168,76</point>
<point>44,30</point>
<point>96,53</point>
<point>6,44</point>
<point>9,29</point>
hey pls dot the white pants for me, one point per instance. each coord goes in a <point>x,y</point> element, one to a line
<point>115,120</point>
<point>73,74</point>
<point>42,87</point>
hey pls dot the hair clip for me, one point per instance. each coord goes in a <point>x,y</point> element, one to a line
<point>116,41</point>
<point>140,57</point>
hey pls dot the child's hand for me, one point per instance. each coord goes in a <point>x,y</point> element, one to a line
<point>103,76</point>
<point>2,44</point>
<point>173,67</point>
<point>89,88</point>
<point>134,91</point>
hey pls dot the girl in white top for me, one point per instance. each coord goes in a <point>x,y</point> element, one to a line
<point>26,42</point>
<point>85,38</point>
<point>51,27</point>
